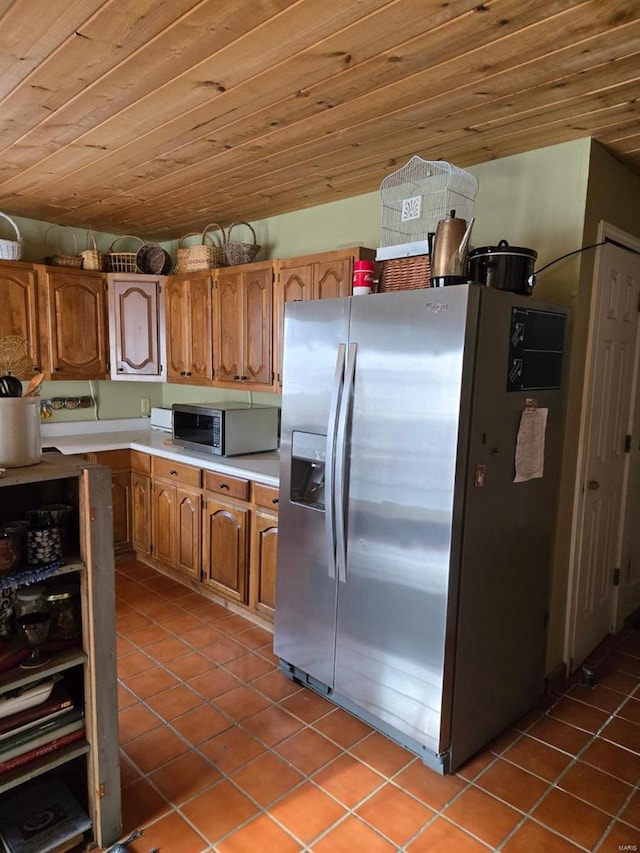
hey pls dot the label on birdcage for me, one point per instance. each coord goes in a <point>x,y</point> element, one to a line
<point>411,208</point>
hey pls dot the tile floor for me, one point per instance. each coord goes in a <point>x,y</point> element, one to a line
<point>220,752</point>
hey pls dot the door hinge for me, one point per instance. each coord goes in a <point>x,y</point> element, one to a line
<point>102,790</point>
<point>627,444</point>
<point>616,577</point>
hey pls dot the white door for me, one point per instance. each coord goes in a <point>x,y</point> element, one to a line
<point>604,469</point>
<point>628,590</point>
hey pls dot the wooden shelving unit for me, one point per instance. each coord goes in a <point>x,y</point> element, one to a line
<point>91,765</point>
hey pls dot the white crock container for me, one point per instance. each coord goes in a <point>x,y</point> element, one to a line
<point>20,442</point>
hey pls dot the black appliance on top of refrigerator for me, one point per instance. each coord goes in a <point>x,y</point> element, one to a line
<point>420,448</point>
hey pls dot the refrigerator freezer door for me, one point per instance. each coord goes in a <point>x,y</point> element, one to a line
<point>315,338</point>
<point>408,394</point>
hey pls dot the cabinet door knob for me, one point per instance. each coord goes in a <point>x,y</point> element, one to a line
<point>593,485</point>
<point>223,485</point>
<point>173,473</point>
<point>274,500</point>
<point>237,378</point>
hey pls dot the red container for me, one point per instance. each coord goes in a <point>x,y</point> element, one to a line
<point>363,273</point>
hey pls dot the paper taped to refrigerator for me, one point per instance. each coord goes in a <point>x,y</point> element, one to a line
<point>530,444</point>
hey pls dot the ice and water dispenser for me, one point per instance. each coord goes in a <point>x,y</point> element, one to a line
<point>308,452</point>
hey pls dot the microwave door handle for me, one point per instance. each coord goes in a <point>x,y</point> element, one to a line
<point>340,463</point>
<point>332,425</point>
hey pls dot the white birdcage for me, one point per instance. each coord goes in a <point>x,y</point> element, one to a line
<point>415,198</point>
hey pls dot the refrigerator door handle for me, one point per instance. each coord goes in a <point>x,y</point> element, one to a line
<point>340,464</point>
<point>329,464</point>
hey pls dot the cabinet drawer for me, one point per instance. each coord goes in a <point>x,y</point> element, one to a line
<point>225,485</point>
<point>117,460</point>
<point>187,475</point>
<point>140,462</point>
<point>266,496</point>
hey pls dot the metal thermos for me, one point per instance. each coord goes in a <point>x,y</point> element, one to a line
<point>450,244</point>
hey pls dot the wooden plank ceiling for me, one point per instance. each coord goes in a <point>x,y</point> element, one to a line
<point>156,117</point>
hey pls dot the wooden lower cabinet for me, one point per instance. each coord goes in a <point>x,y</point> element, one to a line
<point>264,544</point>
<point>141,502</point>
<point>217,531</point>
<point>226,548</point>
<point>141,513</point>
<point>119,461</point>
<point>121,492</point>
<point>176,525</point>
<point>264,551</point>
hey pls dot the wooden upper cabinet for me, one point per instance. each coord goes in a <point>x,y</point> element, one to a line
<point>136,327</point>
<point>176,308</point>
<point>327,275</point>
<point>189,324</point>
<point>243,326</point>
<point>18,317</point>
<point>74,335</point>
<point>200,363</point>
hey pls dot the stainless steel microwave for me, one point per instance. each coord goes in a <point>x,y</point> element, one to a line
<point>226,429</point>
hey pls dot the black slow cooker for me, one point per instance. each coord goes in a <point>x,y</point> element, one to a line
<point>504,267</point>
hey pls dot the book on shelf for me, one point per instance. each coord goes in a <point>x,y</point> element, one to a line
<point>41,817</point>
<point>70,721</point>
<point>58,702</point>
<point>39,751</point>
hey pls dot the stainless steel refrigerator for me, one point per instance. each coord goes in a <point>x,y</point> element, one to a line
<point>420,447</point>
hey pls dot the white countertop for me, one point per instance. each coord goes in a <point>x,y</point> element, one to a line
<point>95,436</point>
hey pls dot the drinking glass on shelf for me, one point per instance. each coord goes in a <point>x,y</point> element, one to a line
<point>36,629</point>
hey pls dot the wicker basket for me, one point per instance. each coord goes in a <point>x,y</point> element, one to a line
<point>404,273</point>
<point>153,260</point>
<point>11,250</point>
<point>123,261</point>
<point>92,259</point>
<point>204,256</point>
<point>240,253</point>
<point>61,259</point>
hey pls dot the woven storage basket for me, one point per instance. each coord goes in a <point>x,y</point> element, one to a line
<point>240,253</point>
<point>153,260</point>
<point>204,256</point>
<point>123,261</point>
<point>404,273</point>
<point>92,259</point>
<point>11,250</point>
<point>61,259</point>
